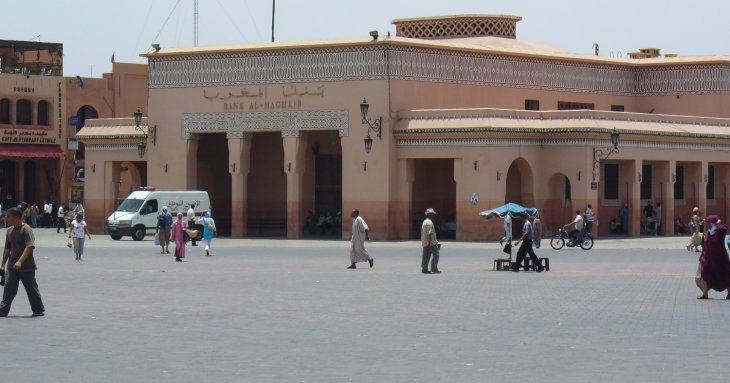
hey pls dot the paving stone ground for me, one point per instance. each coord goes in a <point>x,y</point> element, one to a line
<point>289,311</point>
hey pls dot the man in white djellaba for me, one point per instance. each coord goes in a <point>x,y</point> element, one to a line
<point>360,234</point>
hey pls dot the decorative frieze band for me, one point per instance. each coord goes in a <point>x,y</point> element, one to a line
<point>515,142</point>
<point>384,61</point>
<point>289,123</point>
<point>111,148</point>
<point>291,66</point>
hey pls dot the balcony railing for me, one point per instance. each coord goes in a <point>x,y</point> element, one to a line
<point>42,69</point>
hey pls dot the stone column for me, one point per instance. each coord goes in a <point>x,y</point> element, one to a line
<point>295,150</point>
<point>21,184</point>
<point>700,180</point>
<point>633,181</point>
<point>667,176</point>
<point>581,184</point>
<point>722,180</point>
<point>191,162</point>
<point>111,185</point>
<point>239,165</point>
<point>401,209</point>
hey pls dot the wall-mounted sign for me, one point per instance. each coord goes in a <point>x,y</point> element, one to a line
<point>265,98</point>
<point>74,120</point>
<point>26,136</point>
<point>474,198</point>
<point>80,175</point>
<point>594,185</point>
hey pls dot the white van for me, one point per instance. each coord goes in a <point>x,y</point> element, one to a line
<point>136,216</point>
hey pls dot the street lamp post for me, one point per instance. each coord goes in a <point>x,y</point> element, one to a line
<point>603,154</point>
<point>373,125</point>
<point>146,132</point>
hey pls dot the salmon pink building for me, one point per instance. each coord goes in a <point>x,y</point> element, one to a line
<point>460,116</point>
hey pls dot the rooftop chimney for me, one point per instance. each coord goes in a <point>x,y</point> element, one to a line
<point>445,27</point>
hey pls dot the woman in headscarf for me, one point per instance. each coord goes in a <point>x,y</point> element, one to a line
<point>208,230</point>
<point>714,266</point>
<point>177,236</point>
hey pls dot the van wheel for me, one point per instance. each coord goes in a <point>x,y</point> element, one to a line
<point>138,233</point>
<point>116,237</point>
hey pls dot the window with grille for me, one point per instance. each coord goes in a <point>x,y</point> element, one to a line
<point>566,105</point>
<point>646,182</point>
<point>679,183</point>
<point>532,104</point>
<point>43,113</point>
<point>24,112</point>
<point>711,182</point>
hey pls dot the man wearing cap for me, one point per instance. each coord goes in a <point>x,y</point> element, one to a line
<point>164,223</point>
<point>430,244</point>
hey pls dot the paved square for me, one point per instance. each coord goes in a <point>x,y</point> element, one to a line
<point>289,311</point>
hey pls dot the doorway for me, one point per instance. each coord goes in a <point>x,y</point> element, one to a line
<point>213,177</point>
<point>434,187</point>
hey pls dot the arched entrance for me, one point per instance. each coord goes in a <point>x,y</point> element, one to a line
<point>213,177</point>
<point>8,186</point>
<point>132,176</point>
<point>267,186</point>
<point>323,183</point>
<point>30,182</point>
<point>520,183</point>
<point>519,187</point>
<point>441,196</point>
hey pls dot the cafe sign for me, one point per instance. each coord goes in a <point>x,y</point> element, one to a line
<point>25,136</point>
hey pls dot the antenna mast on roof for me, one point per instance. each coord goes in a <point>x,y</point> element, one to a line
<point>195,32</point>
<point>273,12</point>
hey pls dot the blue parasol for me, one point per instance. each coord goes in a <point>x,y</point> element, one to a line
<point>513,209</point>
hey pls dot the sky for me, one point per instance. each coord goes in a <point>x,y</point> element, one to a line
<point>92,30</point>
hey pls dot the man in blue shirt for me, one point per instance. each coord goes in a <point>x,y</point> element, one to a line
<point>164,223</point>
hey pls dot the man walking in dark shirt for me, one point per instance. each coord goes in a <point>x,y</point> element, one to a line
<point>18,264</point>
<point>526,246</point>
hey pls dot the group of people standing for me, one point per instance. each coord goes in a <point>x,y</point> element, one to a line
<point>179,231</point>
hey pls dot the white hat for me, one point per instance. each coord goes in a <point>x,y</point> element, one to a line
<point>430,211</point>
<point>164,208</point>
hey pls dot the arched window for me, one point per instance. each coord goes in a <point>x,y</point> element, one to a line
<point>84,113</point>
<point>44,112</point>
<point>23,112</point>
<point>5,111</point>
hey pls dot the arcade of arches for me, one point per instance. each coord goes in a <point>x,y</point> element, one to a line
<point>28,180</point>
<point>250,177</point>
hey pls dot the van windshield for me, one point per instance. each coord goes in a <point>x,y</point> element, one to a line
<point>130,205</point>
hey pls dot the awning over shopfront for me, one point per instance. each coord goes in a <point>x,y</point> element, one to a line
<point>31,151</point>
<point>111,129</point>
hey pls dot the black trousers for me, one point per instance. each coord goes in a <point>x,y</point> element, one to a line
<point>525,249</point>
<point>12,278</point>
